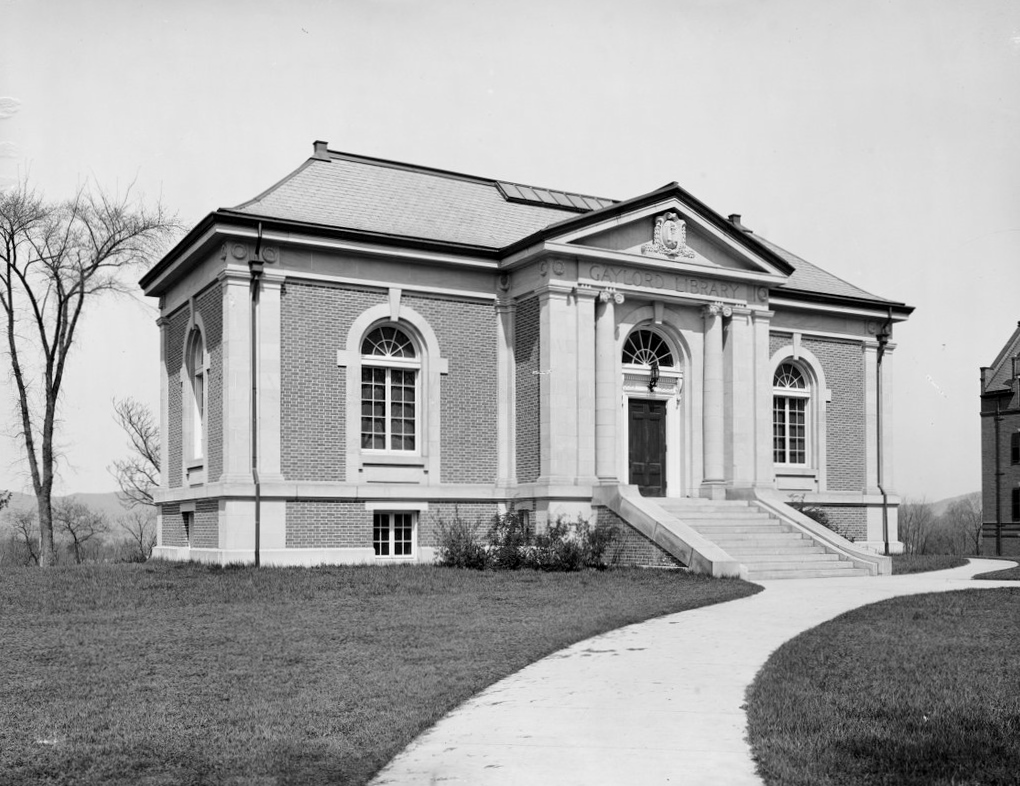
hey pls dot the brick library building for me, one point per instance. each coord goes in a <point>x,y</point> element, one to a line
<point>370,348</point>
<point>1000,451</point>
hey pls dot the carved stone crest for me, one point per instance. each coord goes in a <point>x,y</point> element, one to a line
<point>669,238</point>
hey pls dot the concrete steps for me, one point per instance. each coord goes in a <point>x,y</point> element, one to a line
<point>765,545</point>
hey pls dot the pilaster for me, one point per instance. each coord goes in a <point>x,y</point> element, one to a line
<point>764,470</point>
<point>606,447</point>
<point>269,359</point>
<point>506,394</point>
<point>871,418</point>
<point>558,392</point>
<point>236,377</point>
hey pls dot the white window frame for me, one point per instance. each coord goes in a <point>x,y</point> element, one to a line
<point>390,364</point>
<point>391,519</point>
<point>195,406</point>
<point>787,394</point>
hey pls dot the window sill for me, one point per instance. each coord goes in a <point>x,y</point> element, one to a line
<point>803,472</point>
<point>392,459</point>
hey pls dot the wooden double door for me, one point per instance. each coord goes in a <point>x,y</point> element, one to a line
<point>646,429</point>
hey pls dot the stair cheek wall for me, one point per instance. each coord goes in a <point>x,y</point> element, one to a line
<point>633,548</point>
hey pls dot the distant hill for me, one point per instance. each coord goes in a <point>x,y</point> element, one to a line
<point>942,505</point>
<point>107,504</point>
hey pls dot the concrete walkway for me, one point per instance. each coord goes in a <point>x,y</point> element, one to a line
<point>654,703</point>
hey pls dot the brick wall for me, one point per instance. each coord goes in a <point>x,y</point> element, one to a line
<point>466,333</point>
<point>526,354</point>
<point>313,389</point>
<point>210,305</point>
<point>843,364</point>
<point>175,335</point>
<point>850,522</point>
<point>173,526</point>
<point>206,532</point>
<point>1010,478</point>
<point>328,524</point>
<point>632,548</point>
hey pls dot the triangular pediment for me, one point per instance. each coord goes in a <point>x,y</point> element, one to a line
<point>674,232</point>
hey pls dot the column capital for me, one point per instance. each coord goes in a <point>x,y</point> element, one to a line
<point>610,294</point>
<point>162,322</point>
<point>717,309</point>
<point>505,305</point>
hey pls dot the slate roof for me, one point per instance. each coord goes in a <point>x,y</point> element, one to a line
<point>365,194</point>
<point>811,278</point>
<point>352,192</point>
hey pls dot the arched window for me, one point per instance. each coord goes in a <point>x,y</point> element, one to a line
<point>197,373</point>
<point>790,398</point>
<point>389,391</point>
<point>647,348</point>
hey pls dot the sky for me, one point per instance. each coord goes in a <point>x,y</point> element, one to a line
<point>877,139</point>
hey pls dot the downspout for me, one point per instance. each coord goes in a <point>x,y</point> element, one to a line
<point>255,265</point>
<point>883,339</point>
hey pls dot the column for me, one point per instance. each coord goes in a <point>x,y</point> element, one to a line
<point>606,448</point>
<point>713,423</point>
<point>586,394</point>
<point>740,390</point>
<point>506,407</point>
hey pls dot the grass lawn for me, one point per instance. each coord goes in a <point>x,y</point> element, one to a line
<point>915,690</point>
<point>1006,574</point>
<point>922,563</point>
<point>183,674</point>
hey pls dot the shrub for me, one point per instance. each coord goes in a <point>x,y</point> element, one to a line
<point>512,544</point>
<point>818,514</point>
<point>458,545</point>
<point>510,538</point>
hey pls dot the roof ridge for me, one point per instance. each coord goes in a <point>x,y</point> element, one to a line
<point>259,197</point>
<point>430,170</point>
<point>1007,349</point>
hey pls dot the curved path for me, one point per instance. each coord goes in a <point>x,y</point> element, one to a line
<point>658,702</point>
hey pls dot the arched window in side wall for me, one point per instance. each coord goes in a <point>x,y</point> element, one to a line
<point>390,366</point>
<point>197,373</point>
<point>791,400</point>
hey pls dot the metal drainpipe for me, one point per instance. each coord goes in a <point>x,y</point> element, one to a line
<point>883,339</point>
<point>255,265</point>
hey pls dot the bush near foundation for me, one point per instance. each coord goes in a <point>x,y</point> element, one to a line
<point>512,544</point>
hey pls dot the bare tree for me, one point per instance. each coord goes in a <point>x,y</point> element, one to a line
<point>23,523</point>
<point>54,259</point>
<point>965,518</point>
<point>140,524</point>
<point>138,474</point>
<point>80,523</point>
<point>916,525</point>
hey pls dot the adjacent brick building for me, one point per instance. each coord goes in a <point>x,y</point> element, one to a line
<point>1000,451</point>
<point>368,349</point>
